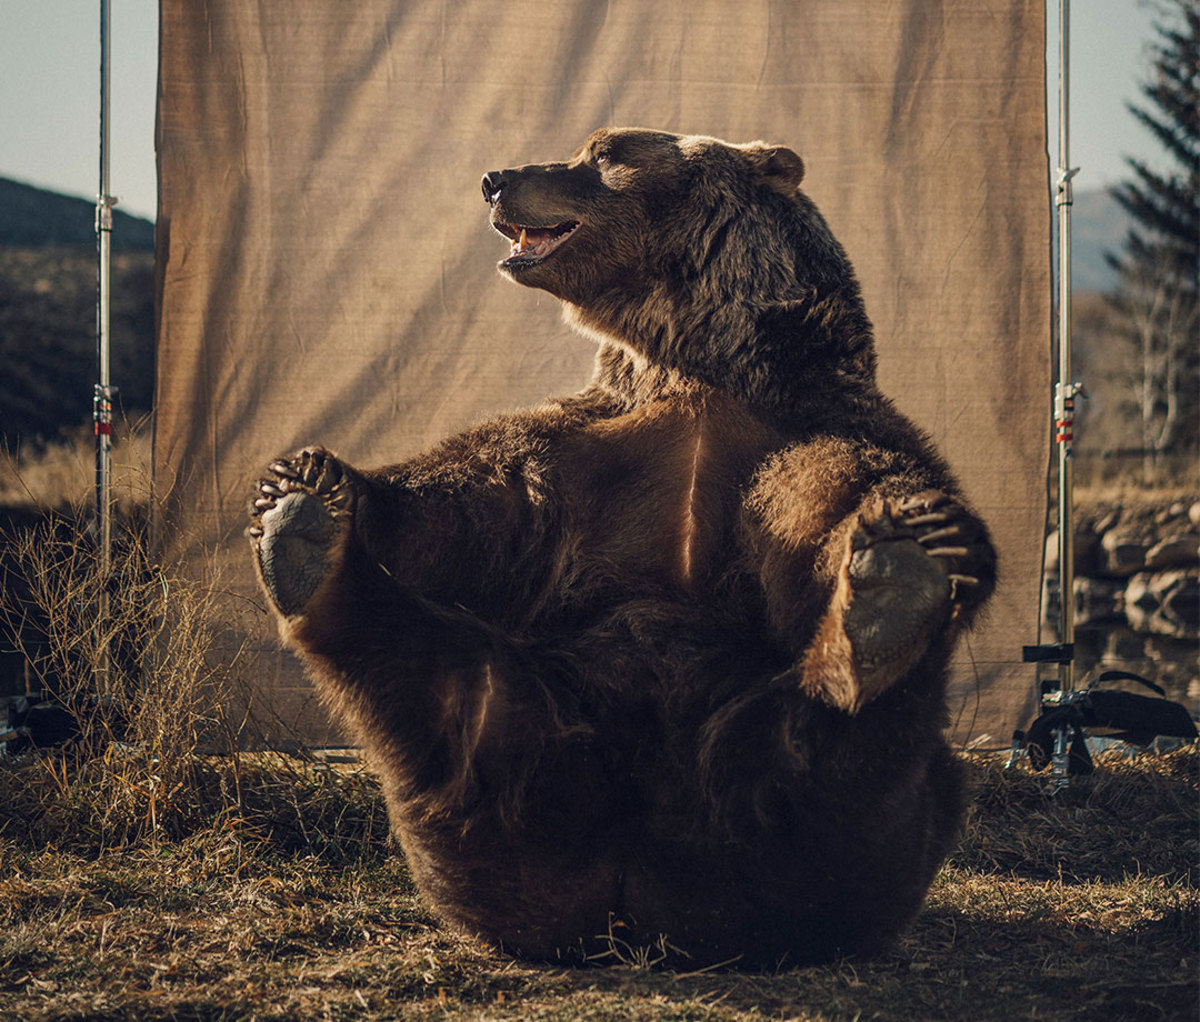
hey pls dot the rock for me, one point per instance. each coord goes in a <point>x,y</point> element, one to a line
<point>1089,559</point>
<point>1174,551</point>
<point>1106,521</point>
<point>1141,619</point>
<point>1124,552</point>
<point>1140,603</point>
<point>1125,646</point>
<point>1138,594</point>
<point>1140,561</point>
<point>1178,594</point>
<point>1168,649</point>
<point>1097,599</point>
<point>1165,603</point>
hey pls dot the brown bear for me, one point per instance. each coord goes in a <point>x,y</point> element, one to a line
<point>661,664</point>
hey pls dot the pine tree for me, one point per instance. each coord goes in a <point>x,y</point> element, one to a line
<point>1158,293</point>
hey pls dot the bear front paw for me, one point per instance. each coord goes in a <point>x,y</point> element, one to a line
<point>913,567</point>
<point>946,532</point>
<point>299,518</point>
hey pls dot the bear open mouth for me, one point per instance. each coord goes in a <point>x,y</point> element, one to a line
<point>533,244</point>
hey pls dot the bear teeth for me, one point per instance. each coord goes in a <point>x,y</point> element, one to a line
<point>544,240</point>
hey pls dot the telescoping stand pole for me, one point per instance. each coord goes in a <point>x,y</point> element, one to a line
<point>102,403</point>
<point>1065,391</point>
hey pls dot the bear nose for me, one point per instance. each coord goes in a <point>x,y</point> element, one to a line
<point>493,184</point>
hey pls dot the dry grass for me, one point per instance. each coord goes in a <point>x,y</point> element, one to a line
<point>285,902</point>
<point>140,683</point>
<point>63,475</point>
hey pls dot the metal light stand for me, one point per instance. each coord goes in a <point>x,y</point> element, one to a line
<point>1058,736</point>
<point>102,402</point>
<point>1062,652</point>
<point>1064,407</point>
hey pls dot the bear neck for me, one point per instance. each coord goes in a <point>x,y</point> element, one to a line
<point>755,298</point>
<point>793,362</point>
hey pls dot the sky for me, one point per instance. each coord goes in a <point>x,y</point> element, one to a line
<point>50,94</point>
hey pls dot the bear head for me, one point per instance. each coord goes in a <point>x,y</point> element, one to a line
<point>689,254</point>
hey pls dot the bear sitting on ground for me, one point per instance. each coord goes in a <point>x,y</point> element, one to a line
<point>662,663</point>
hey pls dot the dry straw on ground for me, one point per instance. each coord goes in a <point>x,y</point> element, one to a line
<point>288,904</point>
<point>153,869</point>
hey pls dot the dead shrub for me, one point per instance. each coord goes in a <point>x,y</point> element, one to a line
<point>141,694</point>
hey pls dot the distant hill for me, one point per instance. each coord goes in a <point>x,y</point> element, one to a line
<point>48,339</point>
<point>36,218</point>
<point>48,313</point>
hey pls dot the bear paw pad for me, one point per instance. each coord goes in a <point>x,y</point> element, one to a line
<point>913,566</point>
<point>299,513</point>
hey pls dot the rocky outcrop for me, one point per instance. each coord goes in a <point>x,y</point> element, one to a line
<point>1137,589</point>
<point>1137,562</point>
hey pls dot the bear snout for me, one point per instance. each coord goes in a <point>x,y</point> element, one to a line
<point>493,183</point>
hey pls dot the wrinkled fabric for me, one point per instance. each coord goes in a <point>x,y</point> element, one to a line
<point>327,274</point>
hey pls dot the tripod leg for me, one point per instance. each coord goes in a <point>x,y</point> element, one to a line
<point>1060,762</point>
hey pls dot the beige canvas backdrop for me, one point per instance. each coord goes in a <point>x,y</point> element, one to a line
<point>327,274</point>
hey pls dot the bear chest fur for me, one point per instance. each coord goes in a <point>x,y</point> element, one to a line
<point>654,497</point>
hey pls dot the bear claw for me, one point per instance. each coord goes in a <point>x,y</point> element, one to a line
<point>945,531</point>
<point>296,519</point>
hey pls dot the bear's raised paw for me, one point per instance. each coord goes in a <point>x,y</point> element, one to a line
<point>945,531</point>
<point>914,566</point>
<point>299,518</point>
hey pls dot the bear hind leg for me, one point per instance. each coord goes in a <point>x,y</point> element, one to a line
<point>299,522</point>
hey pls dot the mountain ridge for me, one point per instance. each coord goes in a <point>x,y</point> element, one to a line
<point>33,217</point>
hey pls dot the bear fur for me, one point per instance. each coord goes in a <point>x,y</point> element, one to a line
<point>661,663</point>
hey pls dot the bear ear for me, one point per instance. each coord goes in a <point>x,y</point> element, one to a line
<point>775,165</point>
